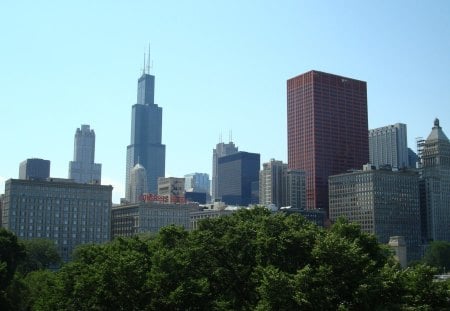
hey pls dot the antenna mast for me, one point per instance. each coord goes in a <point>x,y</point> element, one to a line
<point>148,63</point>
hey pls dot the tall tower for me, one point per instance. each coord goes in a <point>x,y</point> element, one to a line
<point>146,130</point>
<point>436,181</point>
<point>327,129</point>
<point>388,145</point>
<point>83,169</point>
<point>221,150</point>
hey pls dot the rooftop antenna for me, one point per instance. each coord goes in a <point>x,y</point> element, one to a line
<point>143,70</point>
<point>231,136</point>
<point>148,63</point>
<point>220,138</point>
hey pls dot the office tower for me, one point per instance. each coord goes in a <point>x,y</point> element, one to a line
<point>34,169</point>
<point>436,184</point>
<point>384,202</point>
<point>60,210</point>
<point>83,169</point>
<point>238,174</point>
<point>327,129</point>
<point>388,145</point>
<point>221,150</point>
<point>197,182</point>
<point>138,183</point>
<point>172,188</point>
<point>146,130</point>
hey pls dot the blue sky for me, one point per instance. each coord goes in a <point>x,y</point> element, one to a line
<point>219,66</point>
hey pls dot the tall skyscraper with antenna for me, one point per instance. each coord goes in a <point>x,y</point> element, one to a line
<point>146,131</point>
<point>221,150</point>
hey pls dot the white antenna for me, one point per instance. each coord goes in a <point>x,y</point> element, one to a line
<point>148,63</point>
<point>143,70</point>
<point>231,136</point>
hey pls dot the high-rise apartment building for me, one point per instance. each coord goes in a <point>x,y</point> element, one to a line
<point>295,183</point>
<point>238,178</point>
<point>388,145</point>
<point>384,202</point>
<point>221,150</point>
<point>271,183</point>
<point>60,210</point>
<point>138,183</point>
<point>436,185</point>
<point>146,131</point>
<point>83,169</point>
<point>327,129</point>
<point>34,169</point>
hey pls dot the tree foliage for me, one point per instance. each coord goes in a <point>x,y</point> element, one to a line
<point>251,260</point>
<point>40,254</point>
<point>438,255</point>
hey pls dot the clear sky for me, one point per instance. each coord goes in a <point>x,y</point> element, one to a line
<point>220,66</point>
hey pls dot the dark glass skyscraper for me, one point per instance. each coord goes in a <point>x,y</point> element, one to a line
<point>146,129</point>
<point>238,174</point>
<point>327,129</point>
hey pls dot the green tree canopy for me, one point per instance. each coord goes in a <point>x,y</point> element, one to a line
<point>251,260</point>
<point>40,254</point>
<point>438,255</point>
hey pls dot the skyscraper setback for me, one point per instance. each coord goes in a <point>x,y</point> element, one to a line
<point>146,130</point>
<point>327,129</point>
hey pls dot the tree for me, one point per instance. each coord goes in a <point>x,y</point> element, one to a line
<point>438,255</point>
<point>40,254</point>
<point>11,253</point>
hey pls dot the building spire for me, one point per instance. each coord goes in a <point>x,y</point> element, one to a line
<point>143,70</point>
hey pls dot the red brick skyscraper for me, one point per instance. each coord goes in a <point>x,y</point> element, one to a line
<point>327,129</point>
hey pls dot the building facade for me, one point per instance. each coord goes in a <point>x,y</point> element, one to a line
<point>149,217</point>
<point>146,131</point>
<point>83,169</point>
<point>436,185</point>
<point>272,188</point>
<point>388,145</point>
<point>295,181</point>
<point>238,176</point>
<point>34,169</point>
<point>172,188</point>
<point>197,182</point>
<point>60,210</point>
<point>221,150</point>
<point>384,202</point>
<point>327,129</point>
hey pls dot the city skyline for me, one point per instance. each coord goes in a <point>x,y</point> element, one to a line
<point>213,75</point>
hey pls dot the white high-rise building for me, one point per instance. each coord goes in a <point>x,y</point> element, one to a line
<point>388,146</point>
<point>138,183</point>
<point>83,169</point>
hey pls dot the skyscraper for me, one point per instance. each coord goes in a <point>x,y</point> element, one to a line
<point>83,169</point>
<point>238,178</point>
<point>146,130</point>
<point>34,169</point>
<point>221,150</point>
<point>327,129</point>
<point>388,146</point>
<point>436,183</point>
